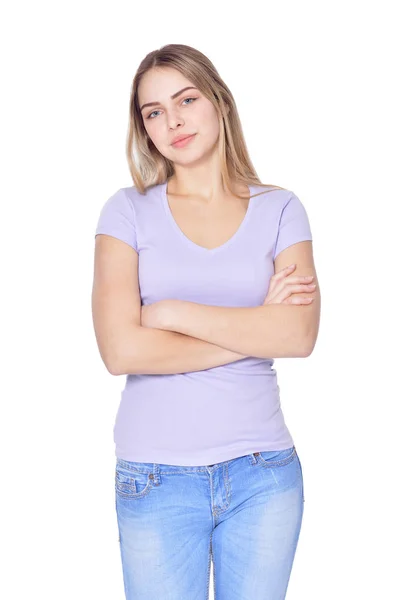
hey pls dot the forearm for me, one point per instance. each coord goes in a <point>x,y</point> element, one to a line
<point>154,351</point>
<point>267,331</point>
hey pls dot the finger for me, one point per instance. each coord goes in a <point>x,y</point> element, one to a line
<point>286,270</point>
<point>277,279</point>
<point>300,300</point>
<point>302,287</point>
<point>279,296</point>
<point>301,279</point>
<point>283,273</point>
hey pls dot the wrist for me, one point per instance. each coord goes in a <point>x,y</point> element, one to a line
<point>168,314</point>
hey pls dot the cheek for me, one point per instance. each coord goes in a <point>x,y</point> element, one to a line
<point>156,137</point>
<point>208,118</point>
<point>209,124</point>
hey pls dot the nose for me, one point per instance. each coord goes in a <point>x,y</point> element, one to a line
<point>175,120</point>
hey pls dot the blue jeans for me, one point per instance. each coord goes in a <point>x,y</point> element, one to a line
<point>245,514</point>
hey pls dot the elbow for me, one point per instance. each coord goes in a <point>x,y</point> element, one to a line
<point>113,369</point>
<point>111,364</point>
<point>311,331</point>
<point>119,347</point>
<point>111,357</point>
<point>116,365</point>
<point>308,345</point>
<point>124,359</point>
<point>306,352</point>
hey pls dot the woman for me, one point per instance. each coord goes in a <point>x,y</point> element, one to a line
<point>202,274</point>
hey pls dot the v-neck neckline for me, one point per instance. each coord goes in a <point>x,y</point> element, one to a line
<point>192,244</point>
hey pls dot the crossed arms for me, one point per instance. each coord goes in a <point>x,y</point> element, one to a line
<point>174,336</point>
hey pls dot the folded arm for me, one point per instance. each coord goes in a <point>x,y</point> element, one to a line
<point>273,330</point>
<point>267,331</point>
<point>126,347</point>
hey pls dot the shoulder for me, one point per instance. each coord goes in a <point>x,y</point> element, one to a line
<point>270,194</point>
<point>281,200</point>
<point>137,199</point>
<point>128,198</point>
<point>124,212</point>
<point>271,199</point>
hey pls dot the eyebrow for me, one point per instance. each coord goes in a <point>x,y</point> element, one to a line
<point>173,96</point>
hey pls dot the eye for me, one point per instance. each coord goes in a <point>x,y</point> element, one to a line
<point>185,100</point>
<point>149,116</point>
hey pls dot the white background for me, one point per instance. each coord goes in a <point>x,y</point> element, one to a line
<point>315,85</point>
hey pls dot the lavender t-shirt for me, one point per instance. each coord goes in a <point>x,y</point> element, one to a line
<point>203,417</point>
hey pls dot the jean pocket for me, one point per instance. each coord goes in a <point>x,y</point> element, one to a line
<point>276,458</point>
<point>131,484</point>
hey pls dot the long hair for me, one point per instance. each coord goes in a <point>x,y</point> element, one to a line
<point>147,165</point>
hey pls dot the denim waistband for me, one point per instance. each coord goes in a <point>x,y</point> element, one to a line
<point>154,469</point>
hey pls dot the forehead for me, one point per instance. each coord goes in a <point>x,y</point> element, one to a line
<point>159,84</point>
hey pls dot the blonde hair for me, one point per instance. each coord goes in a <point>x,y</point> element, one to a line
<point>151,167</point>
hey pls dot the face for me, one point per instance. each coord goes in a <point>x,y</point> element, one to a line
<point>174,114</point>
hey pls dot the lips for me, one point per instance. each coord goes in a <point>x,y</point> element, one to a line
<point>182,138</point>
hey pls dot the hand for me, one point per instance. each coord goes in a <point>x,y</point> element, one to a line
<point>158,315</point>
<point>282,285</point>
<point>150,315</point>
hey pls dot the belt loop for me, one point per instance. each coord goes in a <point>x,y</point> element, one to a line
<point>253,457</point>
<point>155,475</point>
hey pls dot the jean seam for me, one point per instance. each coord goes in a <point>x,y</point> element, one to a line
<point>214,576</point>
<point>209,566</point>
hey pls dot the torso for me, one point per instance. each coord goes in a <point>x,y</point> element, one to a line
<point>208,226</point>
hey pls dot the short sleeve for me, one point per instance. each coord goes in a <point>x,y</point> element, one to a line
<point>117,218</point>
<point>294,225</point>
